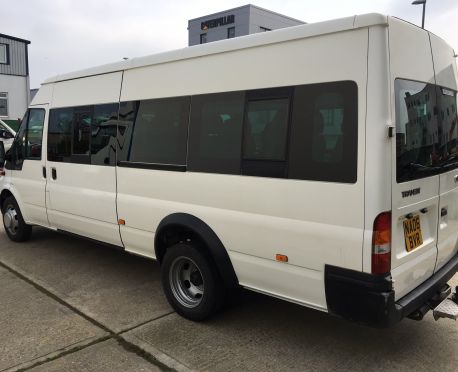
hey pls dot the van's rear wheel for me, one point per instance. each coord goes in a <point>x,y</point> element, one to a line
<point>15,226</point>
<point>191,283</point>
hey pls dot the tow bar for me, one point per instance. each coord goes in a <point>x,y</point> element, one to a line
<point>448,308</point>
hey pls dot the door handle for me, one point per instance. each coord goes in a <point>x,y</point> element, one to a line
<point>53,173</point>
<point>44,172</point>
<point>456,178</point>
<point>444,212</point>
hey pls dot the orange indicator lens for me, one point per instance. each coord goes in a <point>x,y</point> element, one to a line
<point>281,258</point>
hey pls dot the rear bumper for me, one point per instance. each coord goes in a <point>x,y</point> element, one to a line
<point>369,298</point>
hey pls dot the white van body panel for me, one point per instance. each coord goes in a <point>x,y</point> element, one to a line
<point>44,95</point>
<point>82,201</point>
<point>235,206</point>
<point>409,44</point>
<point>378,145</point>
<point>444,63</point>
<point>87,91</point>
<point>275,70</point>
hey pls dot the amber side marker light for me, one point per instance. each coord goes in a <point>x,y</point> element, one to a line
<point>121,222</point>
<point>281,258</point>
<point>381,244</point>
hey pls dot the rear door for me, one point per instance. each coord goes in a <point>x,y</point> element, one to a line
<point>415,179</point>
<point>446,80</point>
<point>415,195</point>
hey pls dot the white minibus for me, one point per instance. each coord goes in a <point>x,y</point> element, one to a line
<point>317,164</point>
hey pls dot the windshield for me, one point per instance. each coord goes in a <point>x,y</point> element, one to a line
<point>426,130</point>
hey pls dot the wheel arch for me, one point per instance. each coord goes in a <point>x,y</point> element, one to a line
<point>5,193</point>
<point>178,226</point>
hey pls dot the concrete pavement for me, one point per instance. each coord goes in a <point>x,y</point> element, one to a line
<point>99,309</point>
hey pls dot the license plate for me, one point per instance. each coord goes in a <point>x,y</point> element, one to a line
<point>412,233</point>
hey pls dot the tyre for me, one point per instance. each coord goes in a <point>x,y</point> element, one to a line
<point>15,226</point>
<point>191,282</point>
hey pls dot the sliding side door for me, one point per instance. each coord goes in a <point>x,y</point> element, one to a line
<point>81,189</point>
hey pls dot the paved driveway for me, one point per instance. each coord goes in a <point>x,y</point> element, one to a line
<point>69,304</point>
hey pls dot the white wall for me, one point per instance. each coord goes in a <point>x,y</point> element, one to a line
<point>17,88</point>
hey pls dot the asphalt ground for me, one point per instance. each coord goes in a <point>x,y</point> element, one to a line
<point>67,304</point>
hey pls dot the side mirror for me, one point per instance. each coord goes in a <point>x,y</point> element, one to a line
<point>2,155</point>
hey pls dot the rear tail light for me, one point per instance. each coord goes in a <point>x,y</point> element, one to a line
<point>381,244</point>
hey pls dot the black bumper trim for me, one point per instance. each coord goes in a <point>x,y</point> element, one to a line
<point>369,299</point>
<point>425,291</point>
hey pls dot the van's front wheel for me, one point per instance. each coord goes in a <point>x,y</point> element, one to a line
<point>15,226</point>
<point>191,283</point>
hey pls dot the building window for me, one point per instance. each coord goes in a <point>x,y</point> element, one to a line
<point>4,54</point>
<point>264,29</point>
<point>203,38</point>
<point>3,104</point>
<point>231,32</point>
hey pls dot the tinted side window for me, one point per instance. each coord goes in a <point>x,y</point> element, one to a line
<point>103,134</point>
<point>265,135</point>
<point>215,133</point>
<point>324,134</point>
<point>60,135</point>
<point>127,114</point>
<point>85,134</point>
<point>82,120</point>
<point>266,127</point>
<point>35,133</point>
<point>18,149</point>
<point>417,130</point>
<point>160,131</point>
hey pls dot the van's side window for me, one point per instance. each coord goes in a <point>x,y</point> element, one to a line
<point>160,131</point>
<point>29,138</point>
<point>84,134</point>
<point>266,127</point>
<point>18,148</point>
<point>82,120</point>
<point>60,135</point>
<point>324,134</point>
<point>34,134</point>
<point>265,137</point>
<point>328,135</point>
<point>103,134</point>
<point>215,134</point>
<point>127,114</point>
<point>418,130</point>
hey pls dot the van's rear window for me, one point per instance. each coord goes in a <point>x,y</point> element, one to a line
<point>426,130</point>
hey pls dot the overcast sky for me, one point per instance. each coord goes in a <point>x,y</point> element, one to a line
<point>71,35</point>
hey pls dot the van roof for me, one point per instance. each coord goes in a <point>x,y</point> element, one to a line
<point>222,46</point>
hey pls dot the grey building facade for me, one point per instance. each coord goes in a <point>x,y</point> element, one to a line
<point>244,20</point>
<point>14,77</point>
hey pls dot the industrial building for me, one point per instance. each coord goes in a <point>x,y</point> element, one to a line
<point>14,78</point>
<point>244,20</point>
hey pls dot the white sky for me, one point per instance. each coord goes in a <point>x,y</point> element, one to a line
<point>71,35</point>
